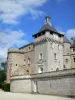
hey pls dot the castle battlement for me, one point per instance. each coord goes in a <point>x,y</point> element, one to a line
<point>15,50</point>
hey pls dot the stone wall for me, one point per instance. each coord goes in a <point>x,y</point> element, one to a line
<point>18,61</point>
<point>72,58</point>
<point>20,84</point>
<point>51,48</point>
<point>67,56</point>
<point>56,83</point>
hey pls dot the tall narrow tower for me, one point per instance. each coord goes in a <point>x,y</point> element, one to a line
<point>48,48</point>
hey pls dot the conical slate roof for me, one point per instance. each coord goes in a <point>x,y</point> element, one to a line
<point>73,44</point>
<point>66,40</point>
<point>49,27</point>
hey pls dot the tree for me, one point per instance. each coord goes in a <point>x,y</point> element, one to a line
<point>2,76</point>
<point>3,72</point>
<point>4,65</point>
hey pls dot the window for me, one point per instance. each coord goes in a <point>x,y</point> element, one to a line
<point>51,45</point>
<point>28,61</point>
<point>28,48</point>
<point>58,47</point>
<point>16,64</point>
<point>74,59</point>
<point>64,66</point>
<point>55,56</point>
<point>66,60</point>
<point>40,56</point>
<point>57,69</point>
<point>73,50</point>
<point>40,70</point>
<point>27,71</point>
<point>24,61</point>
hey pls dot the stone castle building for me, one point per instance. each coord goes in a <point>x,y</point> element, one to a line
<point>33,68</point>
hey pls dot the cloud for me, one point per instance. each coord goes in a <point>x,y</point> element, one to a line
<point>70,33</point>
<point>9,40</point>
<point>11,10</point>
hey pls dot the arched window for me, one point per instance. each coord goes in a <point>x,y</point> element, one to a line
<point>57,69</point>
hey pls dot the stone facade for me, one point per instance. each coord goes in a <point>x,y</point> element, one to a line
<point>23,84</point>
<point>20,61</point>
<point>51,50</point>
<point>56,83</point>
<point>44,66</point>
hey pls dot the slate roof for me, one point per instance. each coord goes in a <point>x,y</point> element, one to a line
<point>66,40</point>
<point>73,44</point>
<point>26,45</point>
<point>49,27</point>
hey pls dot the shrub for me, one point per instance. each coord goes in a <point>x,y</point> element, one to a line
<point>6,86</point>
<point>0,85</point>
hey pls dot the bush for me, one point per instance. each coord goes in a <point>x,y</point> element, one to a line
<point>0,85</point>
<point>6,86</point>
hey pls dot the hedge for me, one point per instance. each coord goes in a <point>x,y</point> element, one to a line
<point>6,87</point>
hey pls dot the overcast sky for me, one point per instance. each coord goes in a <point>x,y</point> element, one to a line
<point>19,19</point>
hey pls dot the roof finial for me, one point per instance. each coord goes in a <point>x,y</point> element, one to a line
<point>47,19</point>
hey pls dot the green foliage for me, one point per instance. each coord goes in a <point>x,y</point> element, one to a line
<point>2,76</point>
<point>6,87</point>
<point>0,85</point>
<point>3,72</point>
<point>4,65</point>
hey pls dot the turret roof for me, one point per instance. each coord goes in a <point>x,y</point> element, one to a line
<point>66,40</point>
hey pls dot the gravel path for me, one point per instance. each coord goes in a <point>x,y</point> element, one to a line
<point>20,96</point>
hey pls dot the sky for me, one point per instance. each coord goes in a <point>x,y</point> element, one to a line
<point>20,19</point>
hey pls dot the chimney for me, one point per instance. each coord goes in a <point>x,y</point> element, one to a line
<point>47,18</point>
